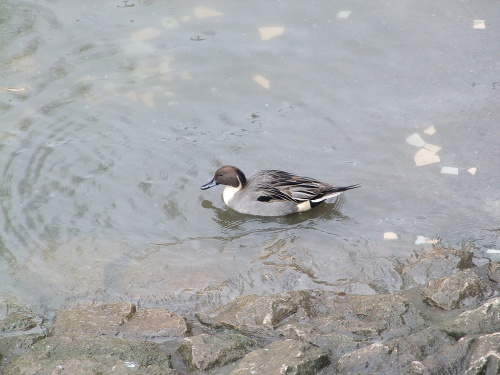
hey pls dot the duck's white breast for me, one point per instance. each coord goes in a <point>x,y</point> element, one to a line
<point>228,193</point>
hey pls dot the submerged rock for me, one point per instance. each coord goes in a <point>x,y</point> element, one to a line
<point>283,357</point>
<point>462,289</point>
<point>205,352</point>
<point>86,355</point>
<point>484,319</point>
<point>119,319</point>
<point>395,355</point>
<point>436,263</point>
<point>20,328</point>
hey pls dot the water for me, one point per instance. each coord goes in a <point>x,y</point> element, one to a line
<point>113,114</point>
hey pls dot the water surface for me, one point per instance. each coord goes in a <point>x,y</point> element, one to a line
<point>113,114</point>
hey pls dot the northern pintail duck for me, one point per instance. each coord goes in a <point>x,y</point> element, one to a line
<point>272,192</point>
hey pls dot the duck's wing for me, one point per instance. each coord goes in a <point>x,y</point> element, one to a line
<point>274,185</point>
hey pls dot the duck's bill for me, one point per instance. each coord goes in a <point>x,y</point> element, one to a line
<point>209,185</point>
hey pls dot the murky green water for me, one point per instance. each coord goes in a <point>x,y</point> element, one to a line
<point>113,114</point>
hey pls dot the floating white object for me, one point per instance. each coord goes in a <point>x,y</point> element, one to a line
<point>432,148</point>
<point>267,33</point>
<point>430,130</point>
<point>420,240</point>
<point>415,140</point>
<point>344,14</point>
<point>390,236</point>
<point>147,33</point>
<point>472,170</point>
<point>449,170</point>
<point>493,251</point>
<point>425,157</point>
<point>261,81</point>
<point>479,24</point>
<point>202,12</point>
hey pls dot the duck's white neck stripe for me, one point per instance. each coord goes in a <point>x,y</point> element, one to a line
<point>229,192</point>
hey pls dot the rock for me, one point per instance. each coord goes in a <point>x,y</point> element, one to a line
<point>283,357</point>
<point>394,356</point>
<point>19,329</point>
<point>462,289</point>
<point>483,320</point>
<point>86,355</point>
<point>155,324</point>
<point>449,361</point>
<point>485,356</point>
<point>436,263</point>
<point>119,319</point>
<point>205,352</point>
<point>471,355</point>
<point>95,318</point>
<point>254,314</point>
<point>494,271</point>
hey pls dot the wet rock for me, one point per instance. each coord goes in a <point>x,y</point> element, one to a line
<point>494,271</point>
<point>120,319</point>
<point>338,324</point>
<point>19,329</point>
<point>283,357</point>
<point>462,289</point>
<point>395,355</point>
<point>436,263</point>
<point>471,355</point>
<point>253,314</point>
<point>95,318</point>
<point>451,360</point>
<point>205,352</point>
<point>484,358</point>
<point>86,355</point>
<point>483,320</point>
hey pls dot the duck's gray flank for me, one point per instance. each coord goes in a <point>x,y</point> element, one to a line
<point>272,192</point>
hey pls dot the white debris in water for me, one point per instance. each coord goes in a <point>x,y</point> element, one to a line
<point>261,81</point>
<point>130,364</point>
<point>493,251</point>
<point>432,148</point>
<point>390,236</point>
<point>202,12</point>
<point>415,140</point>
<point>472,170</point>
<point>420,240</point>
<point>267,33</point>
<point>449,170</point>
<point>344,14</point>
<point>425,157</point>
<point>479,24</point>
<point>430,130</point>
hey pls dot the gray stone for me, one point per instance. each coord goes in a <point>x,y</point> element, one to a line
<point>283,357</point>
<point>119,319</point>
<point>19,329</point>
<point>252,313</point>
<point>394,356</point>
<point>494,271</point>
<point>483,320</point>
<point>205,352</point>
<point>484,358</point>
<point>452,360</point>
<point>86,355</point>
<point>471,355</point>
<point>462,289</point>
<point>436,263</point>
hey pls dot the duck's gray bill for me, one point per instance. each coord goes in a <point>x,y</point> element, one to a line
<point>209,185</point>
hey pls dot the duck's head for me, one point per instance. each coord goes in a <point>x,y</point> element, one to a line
<point>227,175</point>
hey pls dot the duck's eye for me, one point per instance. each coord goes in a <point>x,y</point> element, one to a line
<point>220,175</point>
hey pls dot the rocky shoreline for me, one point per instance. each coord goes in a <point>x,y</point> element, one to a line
<point>447,321</point>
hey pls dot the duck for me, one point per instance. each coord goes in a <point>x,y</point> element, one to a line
<point>272,192</point>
